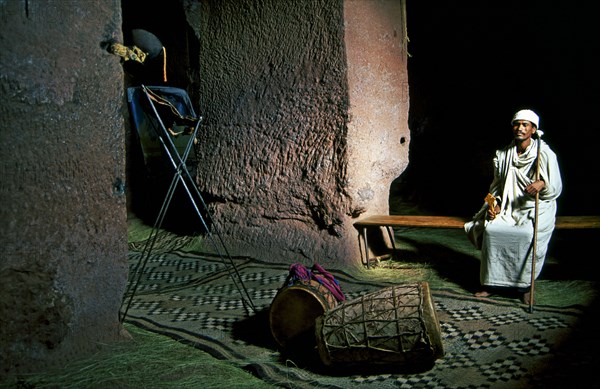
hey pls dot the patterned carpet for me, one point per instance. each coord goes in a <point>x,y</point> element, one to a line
<point>487,344</point>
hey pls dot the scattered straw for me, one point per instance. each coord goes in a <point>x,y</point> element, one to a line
<point>148,361</point>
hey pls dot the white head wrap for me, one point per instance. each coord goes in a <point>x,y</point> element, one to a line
<point>530,116</point>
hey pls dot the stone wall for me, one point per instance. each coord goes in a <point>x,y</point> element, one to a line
<point>63,235</point>
<point>305,105</point>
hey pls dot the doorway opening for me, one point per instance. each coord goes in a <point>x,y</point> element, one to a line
<point>159,23</point>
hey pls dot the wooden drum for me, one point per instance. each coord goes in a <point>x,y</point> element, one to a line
<point>294,310</point>
<point>396,326</point>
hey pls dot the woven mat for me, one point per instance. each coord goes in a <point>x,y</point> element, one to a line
<point>487,344</point>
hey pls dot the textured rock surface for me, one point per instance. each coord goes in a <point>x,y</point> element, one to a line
<point>306,106</point>
<point>63,233</point>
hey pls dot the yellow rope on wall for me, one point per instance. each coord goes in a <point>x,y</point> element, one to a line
<point>133,53</point>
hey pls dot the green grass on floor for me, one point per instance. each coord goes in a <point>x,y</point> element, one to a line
<point>447,260</point>
<point>556,293</point>
<point>138,232</point>
<point>149,360</point>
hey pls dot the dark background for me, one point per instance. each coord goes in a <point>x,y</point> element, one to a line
<point>472,65</point>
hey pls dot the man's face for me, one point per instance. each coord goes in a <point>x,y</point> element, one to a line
<point>523,129</point>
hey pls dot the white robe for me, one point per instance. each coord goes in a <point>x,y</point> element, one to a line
<point>506,241</point>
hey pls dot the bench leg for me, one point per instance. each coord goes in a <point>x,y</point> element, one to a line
<point>366,246</point>
<point>390,232</point>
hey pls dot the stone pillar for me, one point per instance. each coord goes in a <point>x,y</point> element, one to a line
<point>63,236</point>
<point>378,133</point>
<point>305,105</point>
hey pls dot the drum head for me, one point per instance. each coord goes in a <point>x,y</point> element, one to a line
<point>293,313</point>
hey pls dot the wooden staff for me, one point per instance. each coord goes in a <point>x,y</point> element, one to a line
<point>535,228</point>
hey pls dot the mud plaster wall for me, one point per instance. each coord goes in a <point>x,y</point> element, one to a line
<point>63,233</point>
<point>305,106</point>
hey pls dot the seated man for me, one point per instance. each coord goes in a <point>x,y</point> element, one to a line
<point>504,227</point>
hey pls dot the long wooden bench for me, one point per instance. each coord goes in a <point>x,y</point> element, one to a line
<point>390,221</point>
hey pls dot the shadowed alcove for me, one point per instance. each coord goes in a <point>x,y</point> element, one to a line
<point>178,67</point>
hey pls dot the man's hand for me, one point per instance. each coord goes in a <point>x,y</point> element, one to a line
<point>535,187</point>
<point>492,212</point>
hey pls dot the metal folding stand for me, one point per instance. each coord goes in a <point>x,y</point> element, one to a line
<point>183,176</point>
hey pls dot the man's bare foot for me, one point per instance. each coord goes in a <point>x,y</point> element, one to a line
<point>483,293</point>
<point>526,298</point>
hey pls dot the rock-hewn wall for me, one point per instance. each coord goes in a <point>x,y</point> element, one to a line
<point>63,235</point>
<point>305,105</point>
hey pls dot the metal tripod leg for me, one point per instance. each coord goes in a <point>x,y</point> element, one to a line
<point>139,269</point>
<point>180,167</point>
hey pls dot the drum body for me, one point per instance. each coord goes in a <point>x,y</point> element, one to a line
<point>294,310</point>
<point>396,326</point>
